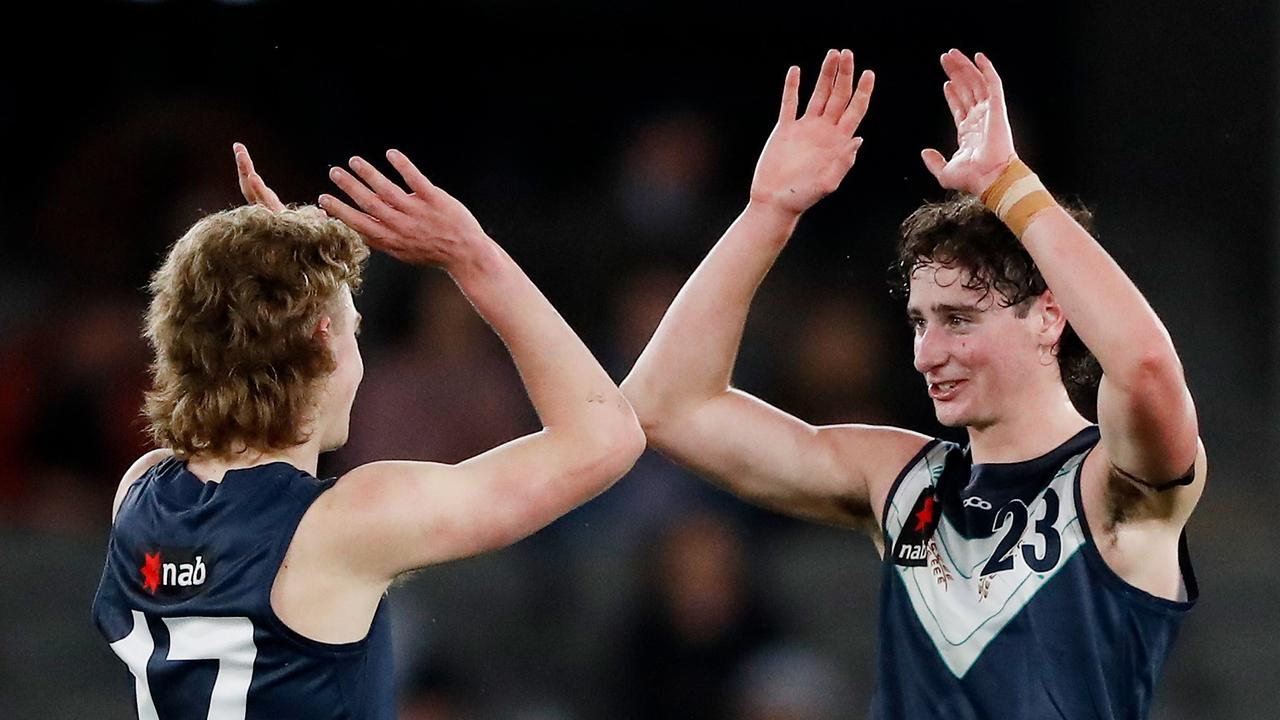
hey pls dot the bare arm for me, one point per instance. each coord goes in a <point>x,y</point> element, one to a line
<point>399,516</point>
<point>1145,411</point>
<point>681,385</point>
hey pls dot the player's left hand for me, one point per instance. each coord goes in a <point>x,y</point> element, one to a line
<point>252,186</point>
<point>976,99</point>
<point>425,226</point>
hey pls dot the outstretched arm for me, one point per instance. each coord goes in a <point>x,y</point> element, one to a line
<point>681,384</point>
<point>406,515</point>
<point>1145,412</point>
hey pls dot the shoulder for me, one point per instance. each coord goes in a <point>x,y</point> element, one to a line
<point>882,450</point>
<point>880,453</point>
<point>368,498</point>
<point>135,471</point>
<point>367,486</point>
<point>350,530</point>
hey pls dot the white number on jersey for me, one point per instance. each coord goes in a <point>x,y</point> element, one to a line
<point>229,640</point>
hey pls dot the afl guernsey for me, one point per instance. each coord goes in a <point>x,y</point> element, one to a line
<point>185,601</point>
<point>995,602</point>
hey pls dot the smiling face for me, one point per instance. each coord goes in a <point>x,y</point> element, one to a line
<point>979,359</point>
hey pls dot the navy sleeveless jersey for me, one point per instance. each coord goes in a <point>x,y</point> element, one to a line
<point>185,601</point>
<point>995,602</point>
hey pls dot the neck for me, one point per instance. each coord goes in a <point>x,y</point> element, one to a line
<point>1036,425</point>
<point>305,457</point>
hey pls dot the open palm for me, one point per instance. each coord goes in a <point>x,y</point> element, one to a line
<point>976,99</point>
<point>805,158</point>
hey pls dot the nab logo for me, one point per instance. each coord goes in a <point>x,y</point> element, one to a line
<point>911,548</point>
<point>173,578</point>
<point>912,552</point>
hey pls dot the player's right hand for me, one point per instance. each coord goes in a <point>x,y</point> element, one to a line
<point>426,226</point>
<point>252,186</point>
<point>805,159</point>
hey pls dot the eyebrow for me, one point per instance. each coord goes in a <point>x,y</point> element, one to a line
<point>944,308</point>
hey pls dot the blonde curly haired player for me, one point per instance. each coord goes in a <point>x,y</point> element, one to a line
<point>226,547</point>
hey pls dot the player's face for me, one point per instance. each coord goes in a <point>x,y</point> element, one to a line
<point>976,356</point>
<point>341,388</point>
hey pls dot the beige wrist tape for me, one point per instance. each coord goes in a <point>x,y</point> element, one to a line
<point>1016,196</point>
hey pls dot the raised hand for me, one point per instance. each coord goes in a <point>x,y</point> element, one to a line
<point>805,159</point>
<point>976,99</point>
<point>252,186</point>
<point>426,226</point>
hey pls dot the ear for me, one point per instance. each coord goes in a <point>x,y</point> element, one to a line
<point>1052,321</point>
<point>322,327</point>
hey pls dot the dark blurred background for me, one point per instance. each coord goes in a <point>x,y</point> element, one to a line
<point>606,149</point>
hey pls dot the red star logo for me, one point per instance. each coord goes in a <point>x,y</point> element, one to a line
<point>151,573</point>
<point>925,516</point>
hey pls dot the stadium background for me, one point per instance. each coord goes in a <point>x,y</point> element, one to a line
<point>607,150</point>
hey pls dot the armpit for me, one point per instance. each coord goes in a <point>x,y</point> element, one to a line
<point>1127,492</point>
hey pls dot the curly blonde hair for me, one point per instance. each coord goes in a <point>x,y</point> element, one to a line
<point>232,322</point>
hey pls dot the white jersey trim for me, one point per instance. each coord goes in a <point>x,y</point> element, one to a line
<point>961,610</point>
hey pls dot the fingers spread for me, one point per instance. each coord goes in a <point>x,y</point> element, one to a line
<point>973,77</point>
<point>822,89</point>
<point>857,109</point>
<point>369,227</point>
<point>842,87</point>
<point>790,96</point>
<point>968,76</point>
<point>959,84</point>
<point>994,85</point>
<point>364,197</point>
<point>413,177</point>
<point>388,191</point>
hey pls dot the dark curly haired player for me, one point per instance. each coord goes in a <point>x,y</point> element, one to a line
<point>1039,572</point>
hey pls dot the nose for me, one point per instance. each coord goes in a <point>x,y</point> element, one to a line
<point>931,350</point>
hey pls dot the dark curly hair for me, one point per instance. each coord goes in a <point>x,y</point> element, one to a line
<point>962,232</point>
<point>232,318</point>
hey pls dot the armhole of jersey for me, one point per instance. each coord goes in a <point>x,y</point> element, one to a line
<point>150,471</point>
<point>1118,584</point>
<point>893,489</point>
<point>277,558</point>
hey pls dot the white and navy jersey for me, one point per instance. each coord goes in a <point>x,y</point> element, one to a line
<point>185,601</point>
<point>995,602</point>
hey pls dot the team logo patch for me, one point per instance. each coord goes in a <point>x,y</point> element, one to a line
<point>912,547</point>
<point>174,573</point>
